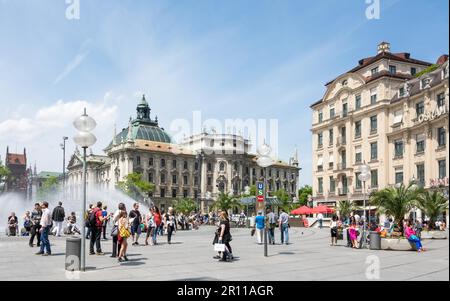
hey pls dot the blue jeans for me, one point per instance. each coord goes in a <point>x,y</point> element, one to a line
<point>45,243</point>
<point>416,240</point>
<point>155,234</point>
<point>320,224</point>
<point>285,233</point>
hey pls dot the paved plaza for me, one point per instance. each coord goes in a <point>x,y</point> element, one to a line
<point>308,257</point>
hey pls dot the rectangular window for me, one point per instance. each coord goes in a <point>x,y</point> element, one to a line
<point>374,71</point>
<point>420,143</point>
<point>392,69</point>
<point>441,136</point>
<point>374,151</point>
<point>320,139</point>
<point>373,124</point>
<point>163,163</point>
<point>150,161</point>
<point>442,169</point>
<point>320,117</point>
<point>320,182</point>
<point>196,181</point>
<point>150,177</point>
<point>374,178</point>
<point>357,129</point>
<point>174,179</point>
<point>421,175</point>
<point>398,148</point>
<point>358,157</point>
<point>174,163</point>
<point>420,108</point>
<point>332,185</point>
<point>332,113</point>
<point>209,167</point>
<point>401,92</point>
<point>413,71</point>
<point>358,181</point>
<point>357,102</point>
<point>185,165</point>
<point>163,193</point>
<point>440,100</point>
<point>185,180</point>
<point>174,193</point>
<point>185,193</point>
<point>399,177</point>
<point>209,181</point>
<point>138,160</point>
<point>373,96</point>
<point>163,178</point>
<point>195,194</point>
<point>398,117</point>
<point>344,110</point>
<point>331,138</point>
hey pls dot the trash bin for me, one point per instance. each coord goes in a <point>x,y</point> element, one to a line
<point>73,254</point>
<point>375,240</point>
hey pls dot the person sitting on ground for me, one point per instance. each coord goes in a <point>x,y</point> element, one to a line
<point>13,223</point>
<point>411,236</point>
<point>72,224</point>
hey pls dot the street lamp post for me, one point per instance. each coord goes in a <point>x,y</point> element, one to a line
<point>63,147</point>
<point>199,157</point>
<point>264,161</point>
<point>363,177</point>
<point>84,138</point>
<point>414,187</point>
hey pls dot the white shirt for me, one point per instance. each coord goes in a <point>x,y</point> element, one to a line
<point>46,219</point>
<point>116,217</point>
<point>320,216</point>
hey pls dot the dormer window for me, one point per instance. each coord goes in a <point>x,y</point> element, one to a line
<point>401,92</point>
<point>445,72</point>
<point>392,69</point>
<point>374,71</point>
<point>344,82</point>
<point>413,71</point>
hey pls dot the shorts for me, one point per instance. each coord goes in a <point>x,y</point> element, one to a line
<point>334,233</point>
<point>135,229</point>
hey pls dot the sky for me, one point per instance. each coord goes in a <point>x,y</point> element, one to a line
<point>247,59</point>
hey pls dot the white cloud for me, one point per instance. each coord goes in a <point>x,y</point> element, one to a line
<point>77,60</point>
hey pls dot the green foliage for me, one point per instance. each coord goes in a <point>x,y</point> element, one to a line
<point>396,201</point>
<point>49,187</point>
<point>185,206</point>
<point>226,202</point>
<point>432,203</point>
<point>345,208</point>
<point>427,70</point>
<point>284,200</point>
<point>133,185</point>
<point>303,193</point>
<point>4,174</point>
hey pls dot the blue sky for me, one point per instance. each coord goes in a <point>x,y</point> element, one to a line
<point>229,59</point>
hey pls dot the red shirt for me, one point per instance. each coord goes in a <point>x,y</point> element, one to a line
<point>98,214</point>
<point>157,218</point>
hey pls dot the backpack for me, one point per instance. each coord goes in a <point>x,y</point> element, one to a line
<point>92,221</point>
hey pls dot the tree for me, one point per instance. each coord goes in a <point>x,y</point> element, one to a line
<point>396,201</point>
<point>432,203</point>
<point>48,188</point>
<point>284,200</point>
<point>252,191</point>
<point>185,206</point>
<point>226,202</point>
<point>345,208</point>
<point>303,194</point>
<point>133,185</point>
<point>4,174</point>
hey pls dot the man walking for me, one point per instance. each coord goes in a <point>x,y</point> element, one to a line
<point>36,215</point>
<point>58,216</point>
<point>259,225</point>
<point>271,223</point>
<point>46,224</point>
<point>284,227</point>
<point>135,221</point>
<point>96,223</point>
<point>320,219</point>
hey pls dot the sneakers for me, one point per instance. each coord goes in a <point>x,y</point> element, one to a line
<point>46,254</point>
<point>100,253</point>
<point>39,253</point>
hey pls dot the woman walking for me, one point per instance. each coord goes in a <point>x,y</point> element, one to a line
<point>115,230</point>
<point>158,223</point>
<point>225,236</point>
<point>27,223</point>
<point>124,233</point>
<point>170,225</point>
<point>150,221</point>
<point>353,235</point>
<point>334,231</point>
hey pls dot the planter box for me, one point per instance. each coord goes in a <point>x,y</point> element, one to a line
<point>433,235</point>
<point>397,244</point>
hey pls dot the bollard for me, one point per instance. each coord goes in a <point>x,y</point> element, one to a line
<point>73,254</point>
<point>375,240</point>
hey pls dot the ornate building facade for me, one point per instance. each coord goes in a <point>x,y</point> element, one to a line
<point>381,113</point>
<point>199,168</point>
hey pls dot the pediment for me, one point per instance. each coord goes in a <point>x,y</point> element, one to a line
<point>342,85</point>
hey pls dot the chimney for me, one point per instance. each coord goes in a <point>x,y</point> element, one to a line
<point>384,47</point>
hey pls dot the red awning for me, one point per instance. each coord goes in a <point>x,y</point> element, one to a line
<point>302,210</point>
<point>322,209</point>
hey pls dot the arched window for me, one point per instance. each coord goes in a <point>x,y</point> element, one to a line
<point>222,166</point>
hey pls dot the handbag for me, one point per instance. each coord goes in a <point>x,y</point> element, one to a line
<point>219,247</point>
<point>114,231</point>
<point>124,232</point>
